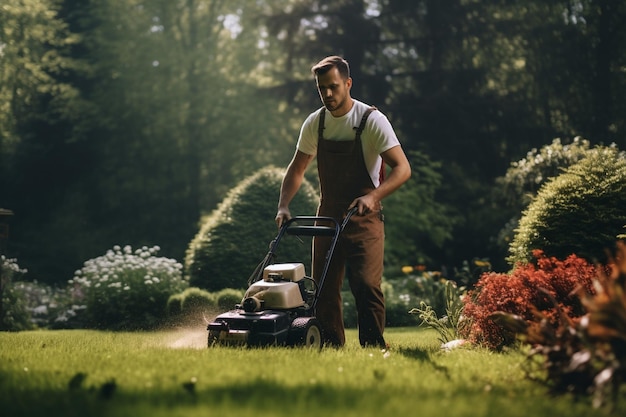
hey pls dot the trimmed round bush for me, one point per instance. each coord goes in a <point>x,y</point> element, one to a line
<point>126,289</point>
<point>235,237</point>
<point>174,306</point>
<point>578,212</point>
<point>228,297</point>
<point>196,299</point>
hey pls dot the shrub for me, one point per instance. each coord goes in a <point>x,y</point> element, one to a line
<point>524,177</point>
<point>586,356</point>
<point>127,290</point>
<point>578,212</point>
<point>50,307</point>
<point>234,238</point>
<point>174,306</point>
<point>228,297</point>
<point>526,288</point>
<point>14,314</point>
<point>196,300</point>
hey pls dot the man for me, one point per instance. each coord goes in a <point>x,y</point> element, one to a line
<point>352,142</point>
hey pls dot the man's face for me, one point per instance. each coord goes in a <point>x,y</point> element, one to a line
<point>334,92</point>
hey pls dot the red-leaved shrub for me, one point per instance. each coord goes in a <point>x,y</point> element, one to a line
<point>584,356</point>
<point>524,291</point>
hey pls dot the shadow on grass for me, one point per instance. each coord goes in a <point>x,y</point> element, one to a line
<point>424,356</point>
<point>258,393</point>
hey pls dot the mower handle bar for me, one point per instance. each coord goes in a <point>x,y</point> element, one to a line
<point>316,230</point>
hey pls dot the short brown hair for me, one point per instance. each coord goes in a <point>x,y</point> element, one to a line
<point>329,62</point>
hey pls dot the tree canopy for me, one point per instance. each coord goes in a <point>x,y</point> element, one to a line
<point>125,121</point>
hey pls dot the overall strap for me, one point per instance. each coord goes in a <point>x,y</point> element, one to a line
<point>359,130</point>
<point>320,127</point>
<point>361,127</point>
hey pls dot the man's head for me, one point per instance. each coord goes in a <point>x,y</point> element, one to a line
<point>332,76</point>
<point>330,62</point>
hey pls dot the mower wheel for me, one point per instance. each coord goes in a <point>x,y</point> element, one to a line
<point>306,332</point>
<point>213,338</point>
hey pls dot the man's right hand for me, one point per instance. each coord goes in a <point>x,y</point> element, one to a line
<point>282,216</point>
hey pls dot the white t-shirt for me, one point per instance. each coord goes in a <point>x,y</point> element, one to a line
<point>377,137</point>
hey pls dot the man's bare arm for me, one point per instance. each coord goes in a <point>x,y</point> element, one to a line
<point>399,174</point>
<point>291,184</point>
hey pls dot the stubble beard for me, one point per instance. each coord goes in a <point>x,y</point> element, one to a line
<point>335,105</point>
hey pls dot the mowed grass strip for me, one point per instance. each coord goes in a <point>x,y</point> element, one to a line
<point>172,373</point>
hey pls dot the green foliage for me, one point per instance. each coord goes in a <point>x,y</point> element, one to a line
<point>578,212</point>
<point>450,326</point>
<point>234,238</point>
<point>517,188</point>
<point>401,294</point>
<point>415,222</point>
<point>174,305</point>
<point>29,304</point>
<point>228,297</point>
<point>50,306</point>
<point>127,290</point>
<point>34,44</point>
<point>183,99</point>
<point>527,289</point>
<point>14,314</point>
<point>195,299</point>
<point>524,177</point>
<point>396,306</point>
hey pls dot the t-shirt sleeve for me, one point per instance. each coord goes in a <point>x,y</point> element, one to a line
<point>383,137</point>
<point>307,141</point>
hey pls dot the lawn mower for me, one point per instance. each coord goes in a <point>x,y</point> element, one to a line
<point>278,308</point>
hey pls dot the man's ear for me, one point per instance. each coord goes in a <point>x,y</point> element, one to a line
<point>349,82</point>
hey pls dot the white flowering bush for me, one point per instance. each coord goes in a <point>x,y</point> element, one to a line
<point>126,289</point>
<point>49,306</point>
<point>14,314</point>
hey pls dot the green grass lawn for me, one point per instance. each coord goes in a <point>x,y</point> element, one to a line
<point>172,373</point>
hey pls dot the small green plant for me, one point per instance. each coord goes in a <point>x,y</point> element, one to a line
<point>126,289</point>
<point>447,326</point>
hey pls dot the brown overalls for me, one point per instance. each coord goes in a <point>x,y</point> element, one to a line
<point>343,177</point>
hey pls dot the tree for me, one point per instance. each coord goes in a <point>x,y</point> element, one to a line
<point>172,121</point>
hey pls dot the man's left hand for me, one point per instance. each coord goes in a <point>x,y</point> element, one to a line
<point>365,204</point>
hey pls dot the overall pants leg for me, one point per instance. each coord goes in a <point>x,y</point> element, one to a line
<point>344,177</point>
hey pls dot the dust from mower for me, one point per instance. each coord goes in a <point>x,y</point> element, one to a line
<point>189,332</point>
<point>191,338</point>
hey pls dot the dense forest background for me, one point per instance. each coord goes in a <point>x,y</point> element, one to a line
<point>124,121</point>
